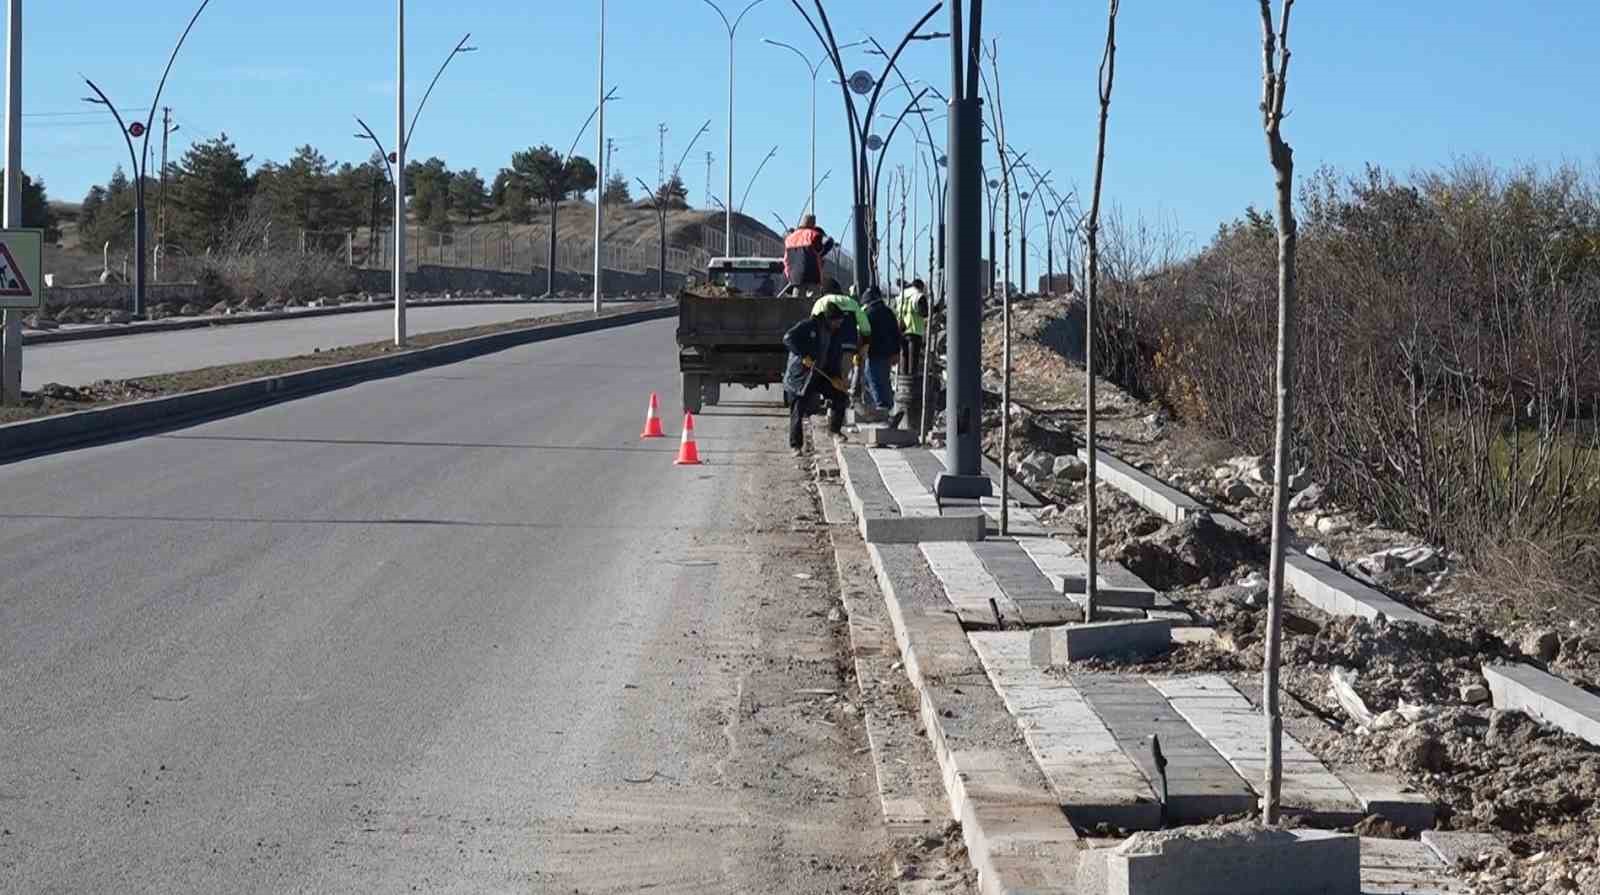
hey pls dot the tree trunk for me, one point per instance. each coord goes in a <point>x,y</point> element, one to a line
<point>550,255</point>
<point>1275,69</point>
<point>1108,73</point>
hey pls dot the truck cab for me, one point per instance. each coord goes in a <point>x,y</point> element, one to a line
<point>756,277</point>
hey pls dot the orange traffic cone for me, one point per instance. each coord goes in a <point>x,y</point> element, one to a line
<point>688,452</point>
<point>652,419</point>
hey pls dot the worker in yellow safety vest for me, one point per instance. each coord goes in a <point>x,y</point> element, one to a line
<point>913,310</point>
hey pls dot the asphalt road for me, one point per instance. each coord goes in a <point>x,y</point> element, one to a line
<point>458,631</point>
<point>145,354</point>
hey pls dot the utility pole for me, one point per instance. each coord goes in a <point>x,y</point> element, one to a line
<point>11,374</point>
<point>167,130</point>
<point>661,153</point>
<point>611,151</point>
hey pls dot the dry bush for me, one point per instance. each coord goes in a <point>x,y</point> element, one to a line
<point>1450,348</point>
<point>253,266</point>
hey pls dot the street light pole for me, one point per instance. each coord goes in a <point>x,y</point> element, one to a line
<point>814,68</point>
<point>12,361</point>
<point>733,29</point>
<point>600,157</point>
<point>400,139</point>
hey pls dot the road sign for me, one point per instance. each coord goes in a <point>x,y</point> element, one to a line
<point>136,129</point>
<point>862,82</point>
<point>21,269</point>
<point>874,142</point>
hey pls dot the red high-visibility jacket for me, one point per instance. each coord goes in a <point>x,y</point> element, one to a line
<point>803,250</point>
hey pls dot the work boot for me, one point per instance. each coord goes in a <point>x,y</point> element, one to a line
<point>894,421</point>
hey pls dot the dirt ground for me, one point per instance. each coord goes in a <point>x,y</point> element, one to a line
<point>1488,770</point>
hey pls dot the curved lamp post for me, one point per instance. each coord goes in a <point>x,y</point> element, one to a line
<point>733,30</point>
<point>860,123</point>
<point>140,158</point>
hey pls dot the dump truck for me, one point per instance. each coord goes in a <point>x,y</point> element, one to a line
<point>730,329</point>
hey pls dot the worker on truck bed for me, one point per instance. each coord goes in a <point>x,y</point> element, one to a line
<point>803,251</point>
<point>812,375</point>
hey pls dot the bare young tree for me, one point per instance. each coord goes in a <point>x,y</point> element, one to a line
<point>1274,81</point>
<point>998,128</point>
<point>1108,73</point>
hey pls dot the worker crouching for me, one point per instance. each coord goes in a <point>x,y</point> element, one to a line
<point>813,375</point>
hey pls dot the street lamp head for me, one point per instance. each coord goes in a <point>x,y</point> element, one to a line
<point>467,50</point>
<point>1023,195</point>
<point>994,184</point>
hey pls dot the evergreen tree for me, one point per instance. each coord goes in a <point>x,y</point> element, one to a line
<point>209,188</point>
<point>467,194</point>
<point>617,191</point>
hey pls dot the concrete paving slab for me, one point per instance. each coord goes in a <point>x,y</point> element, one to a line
<point>1058,561</point>
<point>1102,639</point>
<point>878,513</point>
<point>1405,867</point>
<point>1546,697</point>
<point>1234,728</point>
<point>907,489</point>
<point>1389,798</point>
<point>1452,847</point>
<point>1092,777</point>
<point>1202,785</point>
<point>966,581</point>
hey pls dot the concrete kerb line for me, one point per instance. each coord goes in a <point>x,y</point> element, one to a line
<point>50,434</point>
<point>118,330</point>
<point>1017,838</point>
<point>1523,687</point>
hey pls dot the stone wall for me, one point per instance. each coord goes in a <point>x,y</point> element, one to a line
<point>119,296</point>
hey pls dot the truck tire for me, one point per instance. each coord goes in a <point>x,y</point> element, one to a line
<point>691,393</point>
<point>711,392</point>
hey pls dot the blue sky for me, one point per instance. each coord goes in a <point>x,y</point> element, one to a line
<point>1406,85</point>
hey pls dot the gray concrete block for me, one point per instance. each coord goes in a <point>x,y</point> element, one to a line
<point>1453,848</point>
<point>1336,593</point>
<point>1153,494</point>
<point>883,437</point>
<point>1074,643</point>
<point>916,529</point>
<point>1120,597</point>
<point>1234,860</point>
<point>1546,697</point>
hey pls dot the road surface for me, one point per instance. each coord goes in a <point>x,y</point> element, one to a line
<point>145,354</point>
<point>456,631</point>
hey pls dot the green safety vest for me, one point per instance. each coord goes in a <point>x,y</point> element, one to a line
<point>848,305</point>
<point>912,323</point>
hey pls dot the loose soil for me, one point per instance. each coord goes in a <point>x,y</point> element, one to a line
<point>1492,771</point>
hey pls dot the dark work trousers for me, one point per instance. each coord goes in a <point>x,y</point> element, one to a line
<point>802,406</point>
<point>911,356</point>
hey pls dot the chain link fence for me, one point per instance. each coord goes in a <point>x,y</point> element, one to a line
<point>509,248</point>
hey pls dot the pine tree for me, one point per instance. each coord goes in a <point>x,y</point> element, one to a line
<point>209,189</point>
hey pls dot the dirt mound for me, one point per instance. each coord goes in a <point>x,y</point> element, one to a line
<point>1188,553</point>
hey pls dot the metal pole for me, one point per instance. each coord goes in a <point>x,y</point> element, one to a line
<point>813,206</point>
<point>12,361</point>
<point>600,151</point>
<point>400,177</point>
<point>728,205</point>
<point>963,402</point>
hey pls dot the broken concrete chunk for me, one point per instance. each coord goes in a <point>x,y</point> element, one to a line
<point>1474,694</point>
<point>1541,645</point>
<point>1319,553</point>
<point>1342,682</point>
